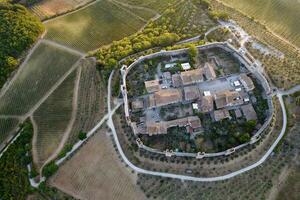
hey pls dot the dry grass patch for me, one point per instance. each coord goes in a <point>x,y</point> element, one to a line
<point>95,172</point>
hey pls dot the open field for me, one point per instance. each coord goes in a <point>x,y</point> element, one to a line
<point>268,13</point>
<point>91,100</point>
<point>96,25</point>
<point>95,172</point>
<point>44,68</point>
<point>157,5</point>
<point>52,119</point>
<point>6,128</point>
<point>48,8</point>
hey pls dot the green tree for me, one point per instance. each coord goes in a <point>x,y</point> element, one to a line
<point>49,169</point>
<point>250,125</point>
<point>14,183</point>
<point>193,53</point>
<point>245,137</point>
<point>82,135</point>
<point>166,39</point>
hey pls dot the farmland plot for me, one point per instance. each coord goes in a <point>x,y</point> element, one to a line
<point>6,127</point>
<point>95,172</point>
<point>52,119</point>
<point>96,25</point>
<point>44,68</point>
<point>48,8</point>
<point>157,5</point>
<point>286,24</point>
<point>142,12</point>
<point>91,100</point>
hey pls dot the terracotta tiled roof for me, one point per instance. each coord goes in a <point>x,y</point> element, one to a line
<point>168,96</point>
<point>152,86</point>
<point>191,93</point>
<point>192,76</point>
<point>221,114</point>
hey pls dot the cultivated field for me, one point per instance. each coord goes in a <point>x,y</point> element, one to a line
<point>48,8</point>
<point>96,25</point>
<point>283,72</point>
<point>268,12</point>
<point>6,128</point>
<point>44,68</point>
<point>52,119</point>
<point>91,100</point>
<point>157,5</point>
<point>140,11</point>
<point>95,172</point>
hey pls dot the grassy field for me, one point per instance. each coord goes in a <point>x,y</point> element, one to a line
<point>91,100</point>
<point>45,67</point>
<point>52,119</point>
<point>96,25</point>
<point>95,172</point>
<point>48,8</point>
<point>281,16</point>
<point>6,128</point>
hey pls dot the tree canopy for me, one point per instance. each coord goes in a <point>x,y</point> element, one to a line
<point>19,29</point>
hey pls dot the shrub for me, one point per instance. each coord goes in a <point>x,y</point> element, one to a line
<point>82,135</point>
<point>49,169</point>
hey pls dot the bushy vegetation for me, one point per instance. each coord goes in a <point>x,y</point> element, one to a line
<point>18,31</point>
<point>49,169</point>
<point>261,105</point>
<point>82,135</point>
<point>14,183</point>
<point>193,54</point>
<point>66,149</point>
